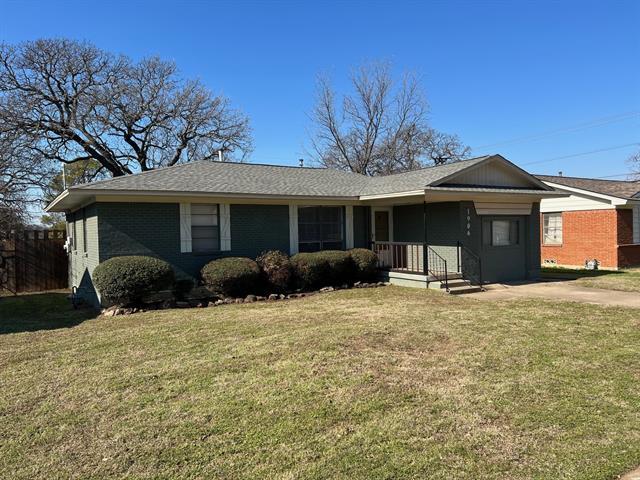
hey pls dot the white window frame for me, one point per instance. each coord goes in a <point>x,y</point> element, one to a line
<point>343,223</point>
<point>545,229</point>
<point>293,227</point>
<point>207,216</point>
<point>224,224</point>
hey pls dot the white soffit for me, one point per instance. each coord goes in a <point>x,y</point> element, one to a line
<point>491,208</point>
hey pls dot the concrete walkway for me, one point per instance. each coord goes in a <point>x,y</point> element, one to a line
<point>634,475</point>
<point>559,290</point>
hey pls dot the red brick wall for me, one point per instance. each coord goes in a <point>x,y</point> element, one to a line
<point>586,234</point>
<point>625,226</point>
<point>628,255</point>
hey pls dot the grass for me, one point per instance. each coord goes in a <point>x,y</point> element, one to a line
<point>360,384</point>
<point>623,280</point>
<point>39,311</point>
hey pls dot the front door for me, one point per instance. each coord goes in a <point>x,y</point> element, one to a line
<point>381,227</point>
<point>503,248</point>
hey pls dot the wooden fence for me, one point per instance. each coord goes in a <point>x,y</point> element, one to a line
<point>33,261</point>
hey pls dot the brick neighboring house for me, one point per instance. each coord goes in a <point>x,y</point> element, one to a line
<point>599,220</point>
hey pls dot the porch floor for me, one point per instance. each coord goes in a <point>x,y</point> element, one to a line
<point>457,284</point>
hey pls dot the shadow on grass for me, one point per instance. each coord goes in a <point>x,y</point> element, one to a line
<point>40,311</point>
<point>571,273</point>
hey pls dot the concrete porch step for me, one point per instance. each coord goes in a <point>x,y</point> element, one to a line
<point>451,276</point>
<point>461,290</point>
<point>456,283</point>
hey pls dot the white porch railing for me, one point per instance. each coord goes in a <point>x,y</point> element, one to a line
<point>400,256</point>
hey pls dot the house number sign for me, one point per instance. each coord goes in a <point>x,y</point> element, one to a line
<point>468,222</point>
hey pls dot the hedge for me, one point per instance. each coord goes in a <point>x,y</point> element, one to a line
<point>276,269</point>
<point>232,276</point>
<point>365,262</point>
<point>126,280</point>
<point>324,268</point>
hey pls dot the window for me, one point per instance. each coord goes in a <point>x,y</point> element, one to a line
<point>552,228</point>
<point>205,235</point>
<point>501,233</point>
<point>320,228</point>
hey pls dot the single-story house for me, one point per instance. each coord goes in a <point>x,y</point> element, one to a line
<point>599,219</point>
<point>477,218</point>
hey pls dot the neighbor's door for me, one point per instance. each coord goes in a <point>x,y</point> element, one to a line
<point>381,233</point>
<point>503,248</point>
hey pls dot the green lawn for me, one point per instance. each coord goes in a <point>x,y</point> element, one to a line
<point>624,280</point>
<point>360,384</point>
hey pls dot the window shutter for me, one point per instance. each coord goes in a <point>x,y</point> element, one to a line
<point>225,227</point>
<point>348,222</point>
<point>185,227</point>
<point>293,229</point>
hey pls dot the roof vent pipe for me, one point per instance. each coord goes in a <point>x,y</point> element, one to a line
<point>220,155</point>
<point>301,162</point>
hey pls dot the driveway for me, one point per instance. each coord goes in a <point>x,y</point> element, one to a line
<point>565,290</point>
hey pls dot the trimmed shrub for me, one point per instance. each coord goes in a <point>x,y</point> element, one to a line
<point>319,269</point>
<point>365,262</point>
<point>232,276</point>
<point>309,269</point>
<point>182,286</point>
<point>341,268</point>
<point>126,280</point>
<point>277,270</point>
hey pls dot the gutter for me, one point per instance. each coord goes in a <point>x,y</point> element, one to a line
<point>56,200</point>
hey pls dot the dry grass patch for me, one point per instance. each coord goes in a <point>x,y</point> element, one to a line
<point>623,280</point>
<point>383,383</point>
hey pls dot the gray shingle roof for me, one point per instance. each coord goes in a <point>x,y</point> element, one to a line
<point>416,179</point>
<point>258,179</point>
<point>239,178</point>
<point>616,188</point>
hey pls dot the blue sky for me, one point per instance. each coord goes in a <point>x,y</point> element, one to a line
<point>493,71</point>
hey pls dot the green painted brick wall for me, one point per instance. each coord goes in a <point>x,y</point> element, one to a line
<point>361,228</point>
<point>82,261</point>
<point>443,227</point>
<point>154,229</point>
<point>447,223</point>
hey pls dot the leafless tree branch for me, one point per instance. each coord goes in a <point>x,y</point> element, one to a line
<point>78,102</point>
<point>378,128</point>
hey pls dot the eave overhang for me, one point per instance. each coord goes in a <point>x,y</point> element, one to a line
<point>603,197</point>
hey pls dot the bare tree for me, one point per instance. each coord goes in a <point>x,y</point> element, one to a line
<point>21,175</point>
<point>634,162</point>
<point>380,128</point>
<point>79,103</point>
